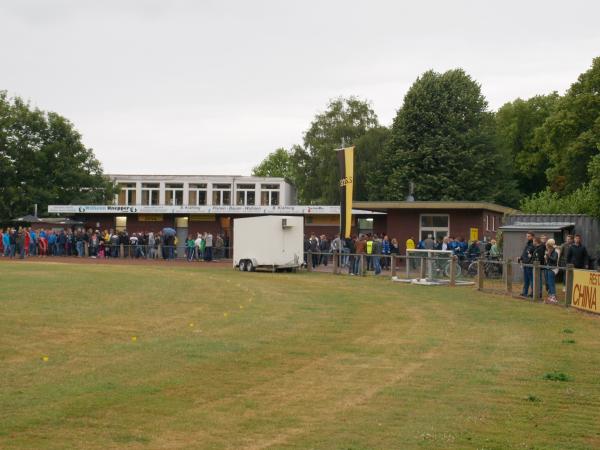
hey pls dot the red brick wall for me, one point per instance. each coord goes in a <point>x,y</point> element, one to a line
<point>402,224</point>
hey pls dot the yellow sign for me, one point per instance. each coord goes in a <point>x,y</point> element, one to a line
<point>474,234</point>
<point>150,217</point>
<point>202,218</point>
<point>586,289</point>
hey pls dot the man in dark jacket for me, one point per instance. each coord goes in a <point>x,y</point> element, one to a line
<point>525,258</point>
<point>539,256</point>
<point>578,254</point>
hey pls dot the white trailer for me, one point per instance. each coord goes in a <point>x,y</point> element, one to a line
<point>268,242</point>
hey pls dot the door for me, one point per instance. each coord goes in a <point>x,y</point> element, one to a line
<point>181,226</point>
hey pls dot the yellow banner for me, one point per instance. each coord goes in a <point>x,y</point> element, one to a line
<point>474,234</point>
<point>586,289</point>
<point>150,217</point>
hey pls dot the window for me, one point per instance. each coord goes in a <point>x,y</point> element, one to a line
<point>269,194</point>
<point>197,194</point>
<point>487,222</point>
<point>127,194</point>
<point>221,194</point>
<point>174,194</point>
<point>436,225</point>
<point>150,193</point>
<point>245,194</point>
<point>493,223</point>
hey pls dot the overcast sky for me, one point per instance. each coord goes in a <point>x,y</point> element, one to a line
<point>211,87</point>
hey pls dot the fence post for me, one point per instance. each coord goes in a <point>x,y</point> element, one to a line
<point>363,270</point>
<point>536,281</point>
<point>335,263</point>
<point>569,284</point>
<point>86,249</point>
<point>453,262</point>
<point>121,251</point>
<point>423,267</point>
<point>480,274</point>
<point>393,264</point>
<point>309,266</point>
<point>508,276</point>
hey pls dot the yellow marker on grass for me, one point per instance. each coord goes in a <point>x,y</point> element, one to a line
<point>134,338</point>
<point>45,358</point>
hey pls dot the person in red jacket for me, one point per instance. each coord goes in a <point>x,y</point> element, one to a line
<point>27,241</point>
<point>43,246</point>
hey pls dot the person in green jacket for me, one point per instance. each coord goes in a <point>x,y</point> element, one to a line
<point>190,247</point>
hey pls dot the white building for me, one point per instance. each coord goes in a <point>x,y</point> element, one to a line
<point>202,190</point>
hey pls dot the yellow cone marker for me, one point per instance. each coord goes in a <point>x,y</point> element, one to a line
<point>134,338</point>
<point>45,358</point>
<point>191,324</point>
<point>225,314</point>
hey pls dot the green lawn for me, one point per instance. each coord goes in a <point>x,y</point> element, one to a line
<point>223,359</point>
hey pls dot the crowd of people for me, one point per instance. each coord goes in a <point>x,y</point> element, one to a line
<point>551,258</point>
<point>24,242</point>
<point>378,248</point>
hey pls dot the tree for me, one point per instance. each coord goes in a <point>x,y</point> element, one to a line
<point>571,134</point>
<point>442,139</point>
<point>584,200</point>
<point>276,164</point>
<point>344,118</point>
<point>368,158</point>
<point>43,161</point>
<point>519,139</point>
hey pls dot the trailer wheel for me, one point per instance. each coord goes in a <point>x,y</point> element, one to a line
<point>249,266</point>
<point>242,265</point>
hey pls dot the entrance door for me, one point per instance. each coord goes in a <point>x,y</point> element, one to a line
<point>181,226</point>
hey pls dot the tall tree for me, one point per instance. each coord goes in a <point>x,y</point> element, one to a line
<point>344,118</point>
<point>571,134</point>
<point>42,160</point>
<point>368,158</point>
<point>519,138</point>
<point>276,164</point>
<point>443,141</point>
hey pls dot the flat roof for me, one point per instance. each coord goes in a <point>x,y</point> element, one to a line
<point>537,226</point>
<point>205,209</point>
<point>488,206</point>
<point>167,177</point>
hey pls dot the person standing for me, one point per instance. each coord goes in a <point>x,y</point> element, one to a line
<point>551,260</point>
<point>361,249</point>
<point>6,242</point>
<point>525,259</point>
<point>376,255</point>
<point>564,249</point>
<point>578,254</point>
<point>429,243</point>
<point>324,249</point>
<point>20,240</point>
<point>539,256</point>
<point>314,249</point>
<point>208,246</point>
<point>386,252</point>
<point>336,248</point>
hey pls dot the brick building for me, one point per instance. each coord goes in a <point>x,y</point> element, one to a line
<point>191,204</point>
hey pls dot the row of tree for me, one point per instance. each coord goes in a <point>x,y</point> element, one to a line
<point>43,161</point>
<point>540,154</point>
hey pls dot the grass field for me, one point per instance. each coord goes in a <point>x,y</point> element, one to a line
<point>180,357</point>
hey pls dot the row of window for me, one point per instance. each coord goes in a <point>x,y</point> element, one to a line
<point>245,194</point>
